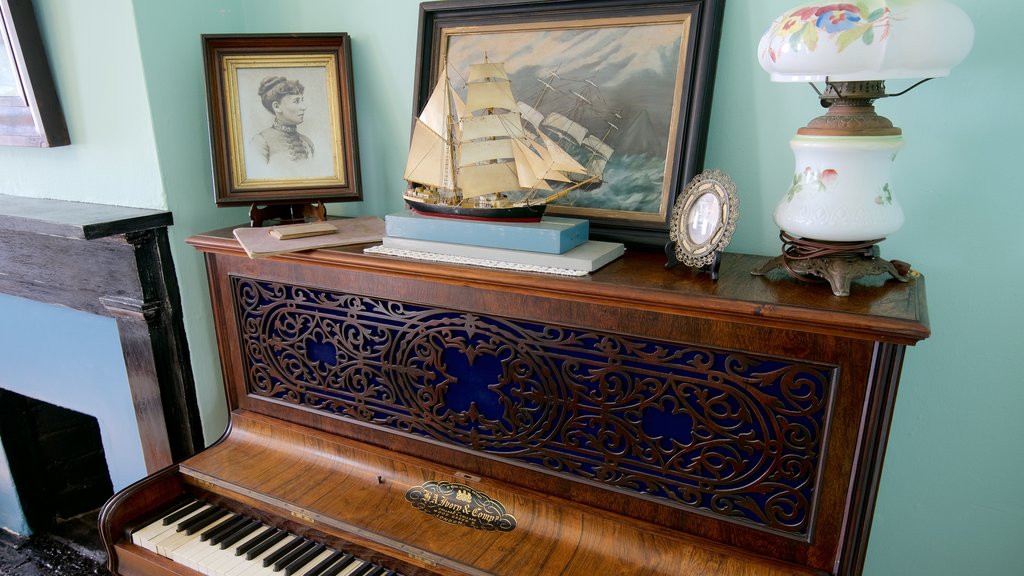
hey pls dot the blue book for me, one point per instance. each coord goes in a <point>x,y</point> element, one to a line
<point>552,235</point>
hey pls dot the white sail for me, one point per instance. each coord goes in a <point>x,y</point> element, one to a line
<point>429,160</point>
<point>435,113</point>
<point>460,106</point>
<point>543,162</point>
<point>485,179</point>
<point>561,160</point>
<point>530,114</point>
<point>532,167</point>
<point>485,151</point>
<point>505,125</point>
<point>487,70</point>
<point>489,95</point>
<point>596,165</point>
<point>597,146</point>
<point>566,126</point>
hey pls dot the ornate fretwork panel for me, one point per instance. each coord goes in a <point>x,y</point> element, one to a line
<point>726,433</point>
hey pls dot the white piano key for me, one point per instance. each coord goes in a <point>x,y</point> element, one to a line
<point>190,550</point>
<point>170,541</point>
<point>203,557</point>
<point>147,534</point>
<point>226,560</point>
<point>186,553</point>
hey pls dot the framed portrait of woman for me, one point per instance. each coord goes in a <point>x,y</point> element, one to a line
<point>282,118</point>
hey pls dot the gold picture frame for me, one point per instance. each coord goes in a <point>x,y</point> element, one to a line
<point>282,118</point>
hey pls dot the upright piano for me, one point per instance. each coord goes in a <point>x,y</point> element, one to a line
<point>400,417</point>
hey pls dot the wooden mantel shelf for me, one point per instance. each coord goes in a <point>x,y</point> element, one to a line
<point>81,220</point>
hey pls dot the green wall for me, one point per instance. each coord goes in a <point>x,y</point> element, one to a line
<point>947,504</point>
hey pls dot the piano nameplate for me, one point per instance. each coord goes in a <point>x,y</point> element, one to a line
<point>459,504</point>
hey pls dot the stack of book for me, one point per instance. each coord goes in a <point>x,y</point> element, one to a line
<point>554,245</point>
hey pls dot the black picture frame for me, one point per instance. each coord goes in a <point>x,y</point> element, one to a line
<point>249,166</point>
<point>30,111</point>
<point>678,157</point>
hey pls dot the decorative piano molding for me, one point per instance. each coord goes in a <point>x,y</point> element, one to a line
<point>730,434</point>
<point>114,262</point>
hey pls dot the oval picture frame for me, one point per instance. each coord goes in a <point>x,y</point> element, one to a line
<point>704,218</point>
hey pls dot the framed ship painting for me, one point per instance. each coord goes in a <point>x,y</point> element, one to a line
<point>621,87</point>
<point>282,118</point>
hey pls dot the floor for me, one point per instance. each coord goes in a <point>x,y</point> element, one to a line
<point>72,548</point>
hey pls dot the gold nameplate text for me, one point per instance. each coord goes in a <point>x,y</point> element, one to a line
<point>462,505</point>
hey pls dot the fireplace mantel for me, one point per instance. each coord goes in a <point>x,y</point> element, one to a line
<point>116,262</point>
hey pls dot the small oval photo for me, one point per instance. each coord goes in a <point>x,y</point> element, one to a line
<point>704,218</point>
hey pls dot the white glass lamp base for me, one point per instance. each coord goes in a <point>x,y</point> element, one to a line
<point>841,189</point>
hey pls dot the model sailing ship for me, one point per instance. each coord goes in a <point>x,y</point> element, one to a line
<point>477,159</point>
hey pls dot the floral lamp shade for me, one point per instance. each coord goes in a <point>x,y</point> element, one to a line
<point>841,202</point>
<point>866,40</point>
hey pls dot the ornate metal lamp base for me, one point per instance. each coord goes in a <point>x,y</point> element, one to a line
<point>837,266</point>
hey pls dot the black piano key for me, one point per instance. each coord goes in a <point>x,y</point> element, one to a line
<point>292,556</point>
<point>200,521</point>
<point>259,538</point>
<point>266,544</point>
<point>213,531</point>
<point>304,559</point>
<point>228,528</point>
<point>181,513</point>
<point>324,564</point>
<point>340,565</point>
<point>283,550</point>
<point>243,531</point>
<point>203,524</point>
<point>195,518</point>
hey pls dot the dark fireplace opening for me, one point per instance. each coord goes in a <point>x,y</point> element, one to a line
<point>56,460</point>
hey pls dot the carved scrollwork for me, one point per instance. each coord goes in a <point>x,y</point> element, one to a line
<point>731,434</point>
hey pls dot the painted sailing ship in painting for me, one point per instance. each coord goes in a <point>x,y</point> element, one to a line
<point>477,158</point>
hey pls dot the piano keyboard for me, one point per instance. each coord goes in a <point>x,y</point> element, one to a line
<point>216,542</point>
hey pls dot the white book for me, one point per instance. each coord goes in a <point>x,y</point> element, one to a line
<point>586,257</point>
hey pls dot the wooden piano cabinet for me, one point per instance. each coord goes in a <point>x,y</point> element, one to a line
<point>715,427</point>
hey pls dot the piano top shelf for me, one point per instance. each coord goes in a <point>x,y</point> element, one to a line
<point>878,308</point>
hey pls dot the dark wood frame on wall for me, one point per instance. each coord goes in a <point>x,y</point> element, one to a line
<point>33,117</point>
<point>687,136</point>
<point>233,182</point>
